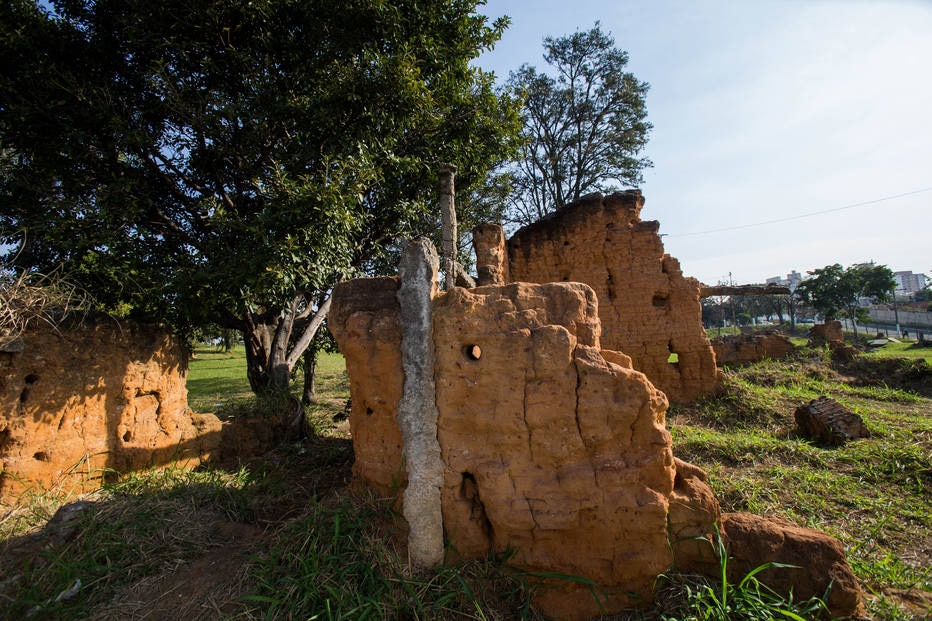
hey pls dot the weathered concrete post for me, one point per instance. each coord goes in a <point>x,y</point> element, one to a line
<point>448,222</point>
<point>417,410</point>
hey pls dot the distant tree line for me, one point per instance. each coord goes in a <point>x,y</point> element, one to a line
<point>830,292</point>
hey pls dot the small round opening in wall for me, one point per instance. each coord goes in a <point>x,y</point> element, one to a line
<point>473,352</point>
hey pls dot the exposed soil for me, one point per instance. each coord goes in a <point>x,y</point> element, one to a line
<point>913,375</point>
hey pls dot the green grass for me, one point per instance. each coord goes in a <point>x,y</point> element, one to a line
<point>217,383</point>
<point>344,562</point>
<point>216,377</point>
<point>874,494</point>
<point>145,524</point>
<point>905,349</point>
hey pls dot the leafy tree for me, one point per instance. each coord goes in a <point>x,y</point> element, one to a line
<point>201,162</point>
<point>833,289</point>
<point>584,126</point>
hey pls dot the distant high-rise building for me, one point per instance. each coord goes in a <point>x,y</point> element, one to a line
<point>908,283</point>
<point>792,280</point>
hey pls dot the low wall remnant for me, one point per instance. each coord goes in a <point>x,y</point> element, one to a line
<point>747,348</point>
<point>78,402</point>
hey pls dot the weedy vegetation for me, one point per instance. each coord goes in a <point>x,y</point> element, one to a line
<point>874,494</point>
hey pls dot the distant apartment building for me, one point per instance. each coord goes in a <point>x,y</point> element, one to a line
<point>792,280</point>
<point>908,283</point>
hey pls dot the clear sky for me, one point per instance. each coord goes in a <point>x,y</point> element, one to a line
<point>766,110</point>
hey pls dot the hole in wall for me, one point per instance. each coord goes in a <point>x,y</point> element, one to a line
<point>660,301</point>
<point>40,456</point>
<point>472,352</point>
<point>674,358</point>
<point>369,411</point>
<point>128,436</point>
<point>663,267</point>
<point>30,379</point>
<point>469,491</point>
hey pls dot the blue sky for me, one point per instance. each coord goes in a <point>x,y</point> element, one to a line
<point>766,110</point>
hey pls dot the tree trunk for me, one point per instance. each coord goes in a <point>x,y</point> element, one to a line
<point>852,313</point>
<point>271,352</point>
<point>259,337</point>
<point>227,340</point>
<point>448,224</point>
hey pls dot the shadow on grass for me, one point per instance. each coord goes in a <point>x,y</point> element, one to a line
<point>99,554</point>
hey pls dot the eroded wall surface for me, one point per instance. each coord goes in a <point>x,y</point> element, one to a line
<point>78,402</point>
<point>364,320</point>
<point>649,310</point>
<point>746,348</point>
<point>552,446</point>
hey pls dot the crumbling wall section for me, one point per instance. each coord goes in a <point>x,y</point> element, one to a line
<point>553,449</point>
<point>550,449</point>
<point>77,402</point>
<point>364,320</point>
<point>649,310</point>
<point>551,446</point>
<point>747,348</point>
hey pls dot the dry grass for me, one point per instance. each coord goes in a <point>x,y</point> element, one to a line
<point>29,297</point>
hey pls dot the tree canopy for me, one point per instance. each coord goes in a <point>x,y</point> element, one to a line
<point>833,289</point>
<point>585,124</point>
<point>226,162</point>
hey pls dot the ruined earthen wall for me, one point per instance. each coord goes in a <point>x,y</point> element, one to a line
<point>552,448</point>
<point>364,320</point>
<point>746,348</point>
<point>86,399</point>
<point>649,310</point>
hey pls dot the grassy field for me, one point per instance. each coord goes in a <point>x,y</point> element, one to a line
<point>217,380</point>
<point>282,537</point>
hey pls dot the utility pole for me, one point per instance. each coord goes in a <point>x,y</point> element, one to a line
<point>896,315</point>
<point>731,298</point>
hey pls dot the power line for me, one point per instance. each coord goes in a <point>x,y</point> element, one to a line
<point>799,217</point>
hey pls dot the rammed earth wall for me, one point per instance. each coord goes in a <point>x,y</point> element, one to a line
<point>78,402</point>
<point>552,446</point>
<point>649,310</point>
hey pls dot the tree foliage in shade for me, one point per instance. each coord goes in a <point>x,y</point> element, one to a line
<point>585,124</point>
<point>226,162</point>
<point>833,289</point>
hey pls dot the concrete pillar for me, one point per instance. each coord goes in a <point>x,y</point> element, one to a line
<point>448,224</point>
<point>417,410</point>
